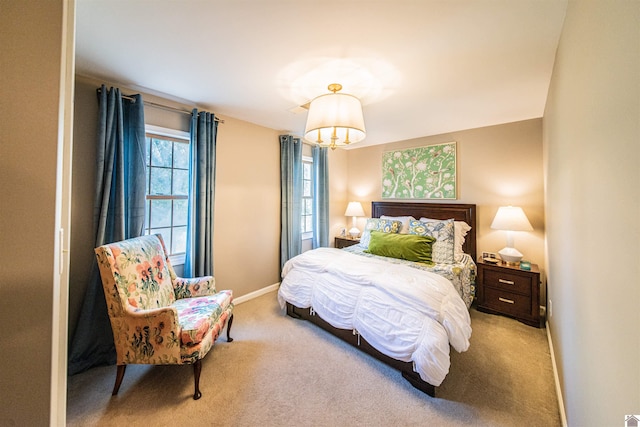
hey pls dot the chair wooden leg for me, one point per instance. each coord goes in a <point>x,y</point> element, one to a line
<point>197,368</point>
<point>119,377</point>
<point>229,339</point>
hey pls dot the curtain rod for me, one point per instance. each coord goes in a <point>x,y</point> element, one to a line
<point>165,107</point>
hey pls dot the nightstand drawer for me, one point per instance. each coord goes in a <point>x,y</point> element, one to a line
<point>506,281</point>
<point>507,302</point>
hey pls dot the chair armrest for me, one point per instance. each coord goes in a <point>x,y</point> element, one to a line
<point>164,312</point>
<point>194,287</point>
<point>148,336</point>
<point>167,316</point>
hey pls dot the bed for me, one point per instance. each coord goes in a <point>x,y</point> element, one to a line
<point>406,314</point>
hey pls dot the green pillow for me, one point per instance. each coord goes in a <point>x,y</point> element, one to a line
<point>411,247</point>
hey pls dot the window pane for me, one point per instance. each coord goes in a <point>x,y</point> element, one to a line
<point>179,240</point>
<point>180,155</point>
<point>166,236</point>
<point>308,206</point>
<point>161,152</point>
<point>180,182</point>
<point>306,188</point>
<point>147,147</point>
<point>160,181</point>
<point>308,223</point>
<point>167,176</point>
<point>304,227</point>
<point>147,151</point>
<point>147,211</point>
<point>306,171</point>
<point>180,212</point>
<point>160,213</point>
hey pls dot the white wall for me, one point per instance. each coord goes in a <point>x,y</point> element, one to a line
<point>592,156</point>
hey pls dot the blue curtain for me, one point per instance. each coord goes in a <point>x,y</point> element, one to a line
<point>199,257</point>
<point>290,197</point>
<point>320,197</point>
<point>118,214</point>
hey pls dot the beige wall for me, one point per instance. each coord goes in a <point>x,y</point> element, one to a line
<point>497,166</point>
<point>592,152</point>
<point>338,195</point>
<point>35,70</point>
<point>247,210</point>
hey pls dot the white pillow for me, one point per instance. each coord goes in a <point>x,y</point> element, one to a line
<point>461,229</point>
<point>404,219</point>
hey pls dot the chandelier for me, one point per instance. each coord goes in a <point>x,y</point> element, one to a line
<point>335,119</point>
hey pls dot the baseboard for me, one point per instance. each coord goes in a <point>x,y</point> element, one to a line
<point>256,294</point>
<point>556,377</point>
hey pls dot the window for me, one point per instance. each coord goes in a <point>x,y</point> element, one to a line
<point>167,196</point>
<point>307,198</point>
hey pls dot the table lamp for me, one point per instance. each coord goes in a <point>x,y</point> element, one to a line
<point>354,209</point>
<point>511,219</point>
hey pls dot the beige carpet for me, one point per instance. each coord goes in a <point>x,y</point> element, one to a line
<point>284,371</point>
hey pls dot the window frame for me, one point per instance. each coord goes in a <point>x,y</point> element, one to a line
<point>175,135</point>
<point>307,234</point>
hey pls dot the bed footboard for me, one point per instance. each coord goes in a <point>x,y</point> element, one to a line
<point>406,368</point>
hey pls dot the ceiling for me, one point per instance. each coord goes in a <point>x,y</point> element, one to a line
<point>420,67</point>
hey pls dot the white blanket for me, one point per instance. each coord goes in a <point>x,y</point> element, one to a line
<point>405,313</point>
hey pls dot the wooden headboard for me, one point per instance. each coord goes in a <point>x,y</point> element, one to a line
<point>459,212</point>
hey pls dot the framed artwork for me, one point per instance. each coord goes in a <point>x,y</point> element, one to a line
<point>420,173</point>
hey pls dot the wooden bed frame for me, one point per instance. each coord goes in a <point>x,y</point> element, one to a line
<point>459,212</point>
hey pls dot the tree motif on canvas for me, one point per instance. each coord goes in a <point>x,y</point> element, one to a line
<point>420,173</point>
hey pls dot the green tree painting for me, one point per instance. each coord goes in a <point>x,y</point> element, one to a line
<point>420,173</point>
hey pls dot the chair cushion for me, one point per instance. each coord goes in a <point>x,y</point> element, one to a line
<point>197,315</point>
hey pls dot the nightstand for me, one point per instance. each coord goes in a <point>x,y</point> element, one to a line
<point>343,242</point>
<point>504,289</point>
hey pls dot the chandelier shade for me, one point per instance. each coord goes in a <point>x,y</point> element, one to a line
<point>335,119</point>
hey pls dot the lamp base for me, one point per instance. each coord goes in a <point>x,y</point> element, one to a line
<point>511,256</point>
<point>354,232</point>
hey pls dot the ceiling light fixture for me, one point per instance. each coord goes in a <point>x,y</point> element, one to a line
<point>335,119</point>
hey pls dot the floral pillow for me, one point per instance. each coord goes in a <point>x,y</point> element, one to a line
<point>461,229</point>
<point>378,224</point>
<point>405,222</point>
<point>443,232</point>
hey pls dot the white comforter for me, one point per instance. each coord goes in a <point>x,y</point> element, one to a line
<point>405,313</point>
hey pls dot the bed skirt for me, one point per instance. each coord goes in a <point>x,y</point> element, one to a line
<point>405,368</point>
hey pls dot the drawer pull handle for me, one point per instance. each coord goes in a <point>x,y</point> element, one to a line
<point>510,301</point>
<point>507,282</point>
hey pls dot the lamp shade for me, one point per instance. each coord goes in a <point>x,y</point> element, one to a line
<point>335,119</point>
<point>511,218</point>
<point>354,209</point>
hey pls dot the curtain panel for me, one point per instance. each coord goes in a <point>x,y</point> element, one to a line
<point>199,257</point>
<point>290,198</point>
<point>320,197</point>
<point>119,210</point>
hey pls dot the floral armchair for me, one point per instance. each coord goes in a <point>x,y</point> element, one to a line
<point>156,317</point>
